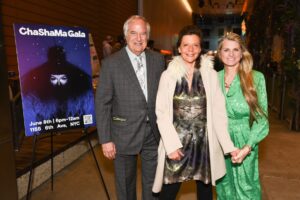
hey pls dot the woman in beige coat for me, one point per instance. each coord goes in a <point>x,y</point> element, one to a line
<point>192,121</point>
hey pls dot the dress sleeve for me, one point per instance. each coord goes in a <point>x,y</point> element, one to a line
<point>260,127</point>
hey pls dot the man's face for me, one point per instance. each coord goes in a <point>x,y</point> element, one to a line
<point>137,36</point>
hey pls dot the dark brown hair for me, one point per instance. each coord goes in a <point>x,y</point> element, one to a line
<point>190,30</point>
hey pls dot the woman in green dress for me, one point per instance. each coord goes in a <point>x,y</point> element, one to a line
<point>246,103</point>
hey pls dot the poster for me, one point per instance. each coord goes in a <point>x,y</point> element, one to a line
<point>55,76</point>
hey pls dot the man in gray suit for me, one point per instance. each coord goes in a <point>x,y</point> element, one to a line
<point>125,108</point>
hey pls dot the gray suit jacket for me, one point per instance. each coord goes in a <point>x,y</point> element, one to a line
<point>121,107</point>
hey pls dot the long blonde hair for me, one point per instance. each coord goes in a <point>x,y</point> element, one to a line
<point>245,73</point>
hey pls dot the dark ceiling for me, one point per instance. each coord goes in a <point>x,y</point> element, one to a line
<point>220,7</point>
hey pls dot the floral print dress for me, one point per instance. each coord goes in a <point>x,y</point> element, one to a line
<point>190,123</point>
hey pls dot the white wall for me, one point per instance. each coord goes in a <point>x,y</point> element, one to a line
<point>166,18</point>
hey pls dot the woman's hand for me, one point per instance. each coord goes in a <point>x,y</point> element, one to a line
<point>241,155</point>
<point>176,155</point>
<point>235,152</point>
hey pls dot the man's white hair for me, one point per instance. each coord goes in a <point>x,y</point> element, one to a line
<point>132,18</point>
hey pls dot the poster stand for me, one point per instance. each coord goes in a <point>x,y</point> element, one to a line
<point>31,167</point>
<point>28,195</point>
<point>99,170</point>
<point>52,156</point>
<point>56,90</point>
<point>32,164</point>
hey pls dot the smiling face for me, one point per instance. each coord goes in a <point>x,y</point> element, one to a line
<point>230,53</point>
<point>136,36</point>
<point>190,48</point>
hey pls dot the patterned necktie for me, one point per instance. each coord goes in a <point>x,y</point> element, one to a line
<point>141,74</point>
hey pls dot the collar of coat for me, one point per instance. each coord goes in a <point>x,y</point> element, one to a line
<point>178,69</point>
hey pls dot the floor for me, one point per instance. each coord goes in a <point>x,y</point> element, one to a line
<point>279,170</point>
<point>60,141</point>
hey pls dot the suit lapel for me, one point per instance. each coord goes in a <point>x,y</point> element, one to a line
<point>150,74</point>
<point>129,71</point>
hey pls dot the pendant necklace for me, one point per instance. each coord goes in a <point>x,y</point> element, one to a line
<point>228,78</point>
<point>227,85</point>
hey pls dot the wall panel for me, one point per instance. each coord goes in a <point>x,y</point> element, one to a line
<point>8,184</point>
<point>101,17</point>
<point>166,19</point>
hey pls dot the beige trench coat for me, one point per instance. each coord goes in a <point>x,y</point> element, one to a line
<point>218,136</point>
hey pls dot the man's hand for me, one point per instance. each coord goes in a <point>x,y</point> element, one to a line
<point>109,150</point>
<point>176,155</point>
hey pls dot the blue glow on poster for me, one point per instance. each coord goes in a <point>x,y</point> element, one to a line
<point>55,76</point>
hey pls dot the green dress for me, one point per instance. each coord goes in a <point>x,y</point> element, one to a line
<point>241,181</point>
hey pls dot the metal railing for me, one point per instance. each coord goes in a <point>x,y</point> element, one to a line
<point>284,96</point>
